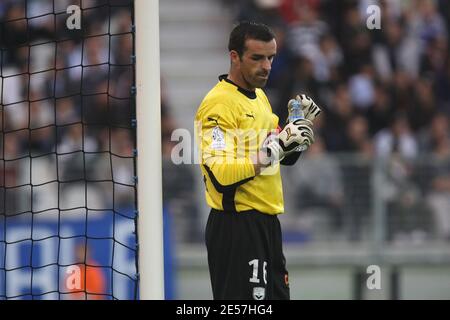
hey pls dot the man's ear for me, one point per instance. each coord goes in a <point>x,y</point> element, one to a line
<point>234,57</point>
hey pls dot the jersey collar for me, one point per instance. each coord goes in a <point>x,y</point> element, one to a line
<point>249,94</point>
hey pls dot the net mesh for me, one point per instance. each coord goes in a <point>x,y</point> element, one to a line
<point>67,141</point>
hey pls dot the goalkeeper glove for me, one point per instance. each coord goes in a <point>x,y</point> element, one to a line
<point>295,134</point>
<point>309,107</point>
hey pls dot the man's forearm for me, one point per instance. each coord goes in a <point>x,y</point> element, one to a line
<point>260,161</point>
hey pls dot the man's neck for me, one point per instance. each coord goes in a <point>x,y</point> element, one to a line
<point>248,93</point>
<point>239,81</point>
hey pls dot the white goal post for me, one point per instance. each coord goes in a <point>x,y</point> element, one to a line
<point>148,111</point>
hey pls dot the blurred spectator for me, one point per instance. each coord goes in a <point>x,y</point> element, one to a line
<point>410,219</point>
<point>397,50</point>
<point>306,30</point>
<point>261,10</point>
<point>441,85</point>
<point>438,187</point>
<point>436,138</point>
<point>356,167</point>
<point>361,88</point>
<point>356,41</point>
<point>444,9</point>
<point>380,114</point>
<point>337,118</point>
<point>327,60</point>
<point>427,23</point>
<point>178,190</point>
<point>293,11</point>
<point>434,57</point>
<point>409,216</point>
<point>438,198</point>
<point>317,188</point>
<point>10,175</point>
<point>423,108</point>
<point>357,137</point>
<point>281,73</point>
<point>398,138</point>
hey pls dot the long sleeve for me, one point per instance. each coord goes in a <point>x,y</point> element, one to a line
<point>217,132</point>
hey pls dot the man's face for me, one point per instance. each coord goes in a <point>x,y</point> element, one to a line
<point>256,62</point>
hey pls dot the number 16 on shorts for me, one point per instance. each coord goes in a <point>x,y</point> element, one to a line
<point>259,293</point>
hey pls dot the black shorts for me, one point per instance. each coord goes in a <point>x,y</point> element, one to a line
<point>245,256</point>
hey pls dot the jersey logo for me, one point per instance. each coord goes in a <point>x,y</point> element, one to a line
<point>290,134</point>
<point>218,139</point>
<point>250,116</point>
<point>215,120</point>
<point>259,293</point>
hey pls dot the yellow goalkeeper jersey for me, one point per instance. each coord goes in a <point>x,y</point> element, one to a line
<point>231,124</point>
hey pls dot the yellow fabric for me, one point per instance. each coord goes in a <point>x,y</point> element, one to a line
<point>230,127</point>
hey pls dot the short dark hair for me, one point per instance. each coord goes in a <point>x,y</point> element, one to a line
<point>248,30</point>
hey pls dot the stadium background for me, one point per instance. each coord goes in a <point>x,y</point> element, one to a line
<point>374,188</point>
<point>67,139</point>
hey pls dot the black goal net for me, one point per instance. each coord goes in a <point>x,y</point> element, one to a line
<point>67,141</point>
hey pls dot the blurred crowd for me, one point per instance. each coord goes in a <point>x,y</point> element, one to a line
<point>66,106</point>
<point>179,182</point>
<point>385,94</point>
<point>67,110</point>
<point>66,101</point>
<point>387,82</point>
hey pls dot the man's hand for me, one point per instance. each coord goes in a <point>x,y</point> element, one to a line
<point>309,107</point>
<point>295,134</point>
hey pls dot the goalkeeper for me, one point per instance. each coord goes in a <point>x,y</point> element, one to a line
<point>243,187</point>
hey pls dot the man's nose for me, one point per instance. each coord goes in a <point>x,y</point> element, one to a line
<point>267,65</point>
